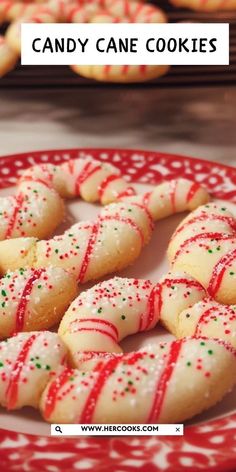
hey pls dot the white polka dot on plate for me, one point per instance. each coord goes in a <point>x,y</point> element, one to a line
<point>5,171</point>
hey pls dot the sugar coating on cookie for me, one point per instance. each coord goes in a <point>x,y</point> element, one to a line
<point>34,299</point>
<point>172,197</point>
<point>168,383</point>
<point>208,318</point>
<point>27,363</point>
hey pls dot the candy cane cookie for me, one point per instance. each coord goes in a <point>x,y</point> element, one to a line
<point>13,33</point>
<point>8,57</point>
<point>171,197</point>
<point>169,383</point>
<point>116,11</point>
<point>89,249</point>
<point>34,299</point>
<point>29,212</point>
<point>99,318</point>
<point>205,5</point>
<point>207,251</point>
<point>208,318</point>
<point>27,362</point>
<point>87,178</point>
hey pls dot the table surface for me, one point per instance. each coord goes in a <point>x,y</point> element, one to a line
<point>199,122</point>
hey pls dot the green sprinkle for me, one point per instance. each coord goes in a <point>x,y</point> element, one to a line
<point>3,304</point>
<point>47,367</point>
<point>189,363</point>
<point>72,378</point>
<point>223,209</point>
<point>100,310</point>
<point>231,273</point>
<point>39,286</point>
<point>218,248</point>
<point>130,209</point>
<point>56,251</point>
<point>202,343</point>
<point>130,382</point>
<point>210,352</point>
<point>123,299</point>
<point>173,287</point>
<point>77,247</point>
<point>126,389</point>
<point>38,365</point>
<point>70,235</point>
<point>210,250</point>
<point>4,293</point>
<point>1,364</point>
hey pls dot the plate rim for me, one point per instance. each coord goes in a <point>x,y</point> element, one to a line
<point>191,431</point>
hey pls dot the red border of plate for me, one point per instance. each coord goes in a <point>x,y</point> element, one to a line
<point>210,446</point>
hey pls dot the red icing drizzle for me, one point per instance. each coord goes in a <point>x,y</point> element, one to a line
<point>203,318</point>
<point>88,252</point>
<point>104,184</point>
<point>192,191</point>
<point>207,217</point>
<point>168,282</point>
<point>106,370</point>
<point>29,178</point>
<point>163,381</point>
<point>219,271</point>
<point>88,170</point>
<point>128,192</point>
<point>127,221</point>
<point>53,390</point>
<point>20,312</point>
<point>146,210</point>
<point>12,389</point>
<point>19,200</point>
<point>146,319</point>
<point>199,237</point>
<point>173,187</point>
<point>98,321</point>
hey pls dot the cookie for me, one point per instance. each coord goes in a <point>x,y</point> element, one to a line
<point>27,363</point>
<point>99,318</point>
<point>171,197</point>
<point>168,383</point>
<point>34,299</point>
<point>88,178</point>
<point>208,255</point>
<point>29,212</point>
<point>121,11</point>
<point>8,57</point>
<point>205,5</point>
<point>176,292</point>
<point>208,318</point>
<point>89,249</point>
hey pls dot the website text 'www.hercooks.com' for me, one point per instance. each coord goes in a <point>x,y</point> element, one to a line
<point>117,429</point>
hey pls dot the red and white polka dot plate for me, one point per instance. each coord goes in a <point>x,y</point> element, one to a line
<point>210,445</point>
